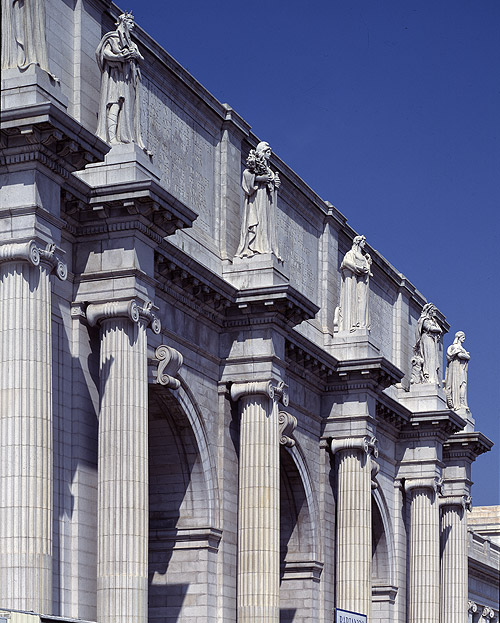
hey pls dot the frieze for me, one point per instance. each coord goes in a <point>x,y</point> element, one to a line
<point>182,153</point>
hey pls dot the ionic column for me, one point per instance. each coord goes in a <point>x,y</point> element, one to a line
<point>471,610</point>
<point>26,425</point>
<point>122,491</point>
<point>259,501</point>
<point>454,559</point>
<point>354,523</point>
<point>423,594</point>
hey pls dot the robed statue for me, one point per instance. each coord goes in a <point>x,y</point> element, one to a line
<point>23,35</point>
<point>118,58</point>
<point>353,312</point>
<point>426,351</point>
<point>457,362</point>
<point>260,185</point>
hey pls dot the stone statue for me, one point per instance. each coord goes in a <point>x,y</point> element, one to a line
<point>23,35</point>
<point>353,311</point>
<point>260,184</point>
<point>118,58</point>
<point>417,365</point>
<point>428,334</point>
<point>457,362</point>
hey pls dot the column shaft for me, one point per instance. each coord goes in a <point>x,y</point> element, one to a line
<point>454,560</point>
<point>25,437</point>
<point>354,532</point>
<point>122,520</point>
<point>424,557</point>
<point>258,512</point>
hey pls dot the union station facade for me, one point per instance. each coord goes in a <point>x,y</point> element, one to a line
<point>217,402</point>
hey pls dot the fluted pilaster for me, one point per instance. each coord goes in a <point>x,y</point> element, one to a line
<point>122,514</point>
<point>354,523</point>
<point>259,501</point>
<point>423,596</point>
<point>26,426</point>
<point>454,560</point>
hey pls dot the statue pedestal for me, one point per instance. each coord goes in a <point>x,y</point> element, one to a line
<point>467,416</point>
<point>423,397</point>
<point>259,271</point>
<point>30,86</point>
<point>123,163</point>
<point>346,345</point>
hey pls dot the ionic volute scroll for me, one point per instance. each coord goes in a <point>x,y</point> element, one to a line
<point>488,614</point>
<point>281,393</point>
<point>169,363</point>
<point>147,314</point>
<point>287,424</point>
<point>58,266</point>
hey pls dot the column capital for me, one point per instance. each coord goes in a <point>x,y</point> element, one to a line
<point>30,252</point>
<point>422,483</point>
<point>488,613</point>
<point>277,390</point>
<point>463,501</point>
<point>98,312</point>
<point>48,255</point>
<point>366,444</point>
<point>471,606</point>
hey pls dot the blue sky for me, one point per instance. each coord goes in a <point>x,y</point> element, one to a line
<point>390,109</point>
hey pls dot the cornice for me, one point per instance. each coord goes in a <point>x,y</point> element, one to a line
<point>466,445</point>
<point>435,424</point>
<point>392,412</point>
<point>375,373</point>
<point>282,302</point>
<point>304,355</point>
<point>192,283</point>
<point>144,205</point>
<point>46,134</point>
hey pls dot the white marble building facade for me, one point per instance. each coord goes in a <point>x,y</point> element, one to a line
<point>216,403</point>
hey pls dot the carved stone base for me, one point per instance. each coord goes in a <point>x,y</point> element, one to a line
<point>259,271</point>
<point>123,163</point>
<point>31,86</point>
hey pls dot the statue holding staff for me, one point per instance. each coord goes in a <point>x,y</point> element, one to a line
<point>118,58</point>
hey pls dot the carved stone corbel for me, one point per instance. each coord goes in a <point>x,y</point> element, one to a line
<point>375,471</point>
<point>169,363</point>
<point>287,424</point>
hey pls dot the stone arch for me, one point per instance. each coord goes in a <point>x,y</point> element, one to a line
<point>299,539</point>
<point>383,558</point>
<point>184,509</point>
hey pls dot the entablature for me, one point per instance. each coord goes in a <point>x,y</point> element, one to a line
<point>468,445</point>
<point>435,424</point>
<point>46,134</point>
<point>374,373</point>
